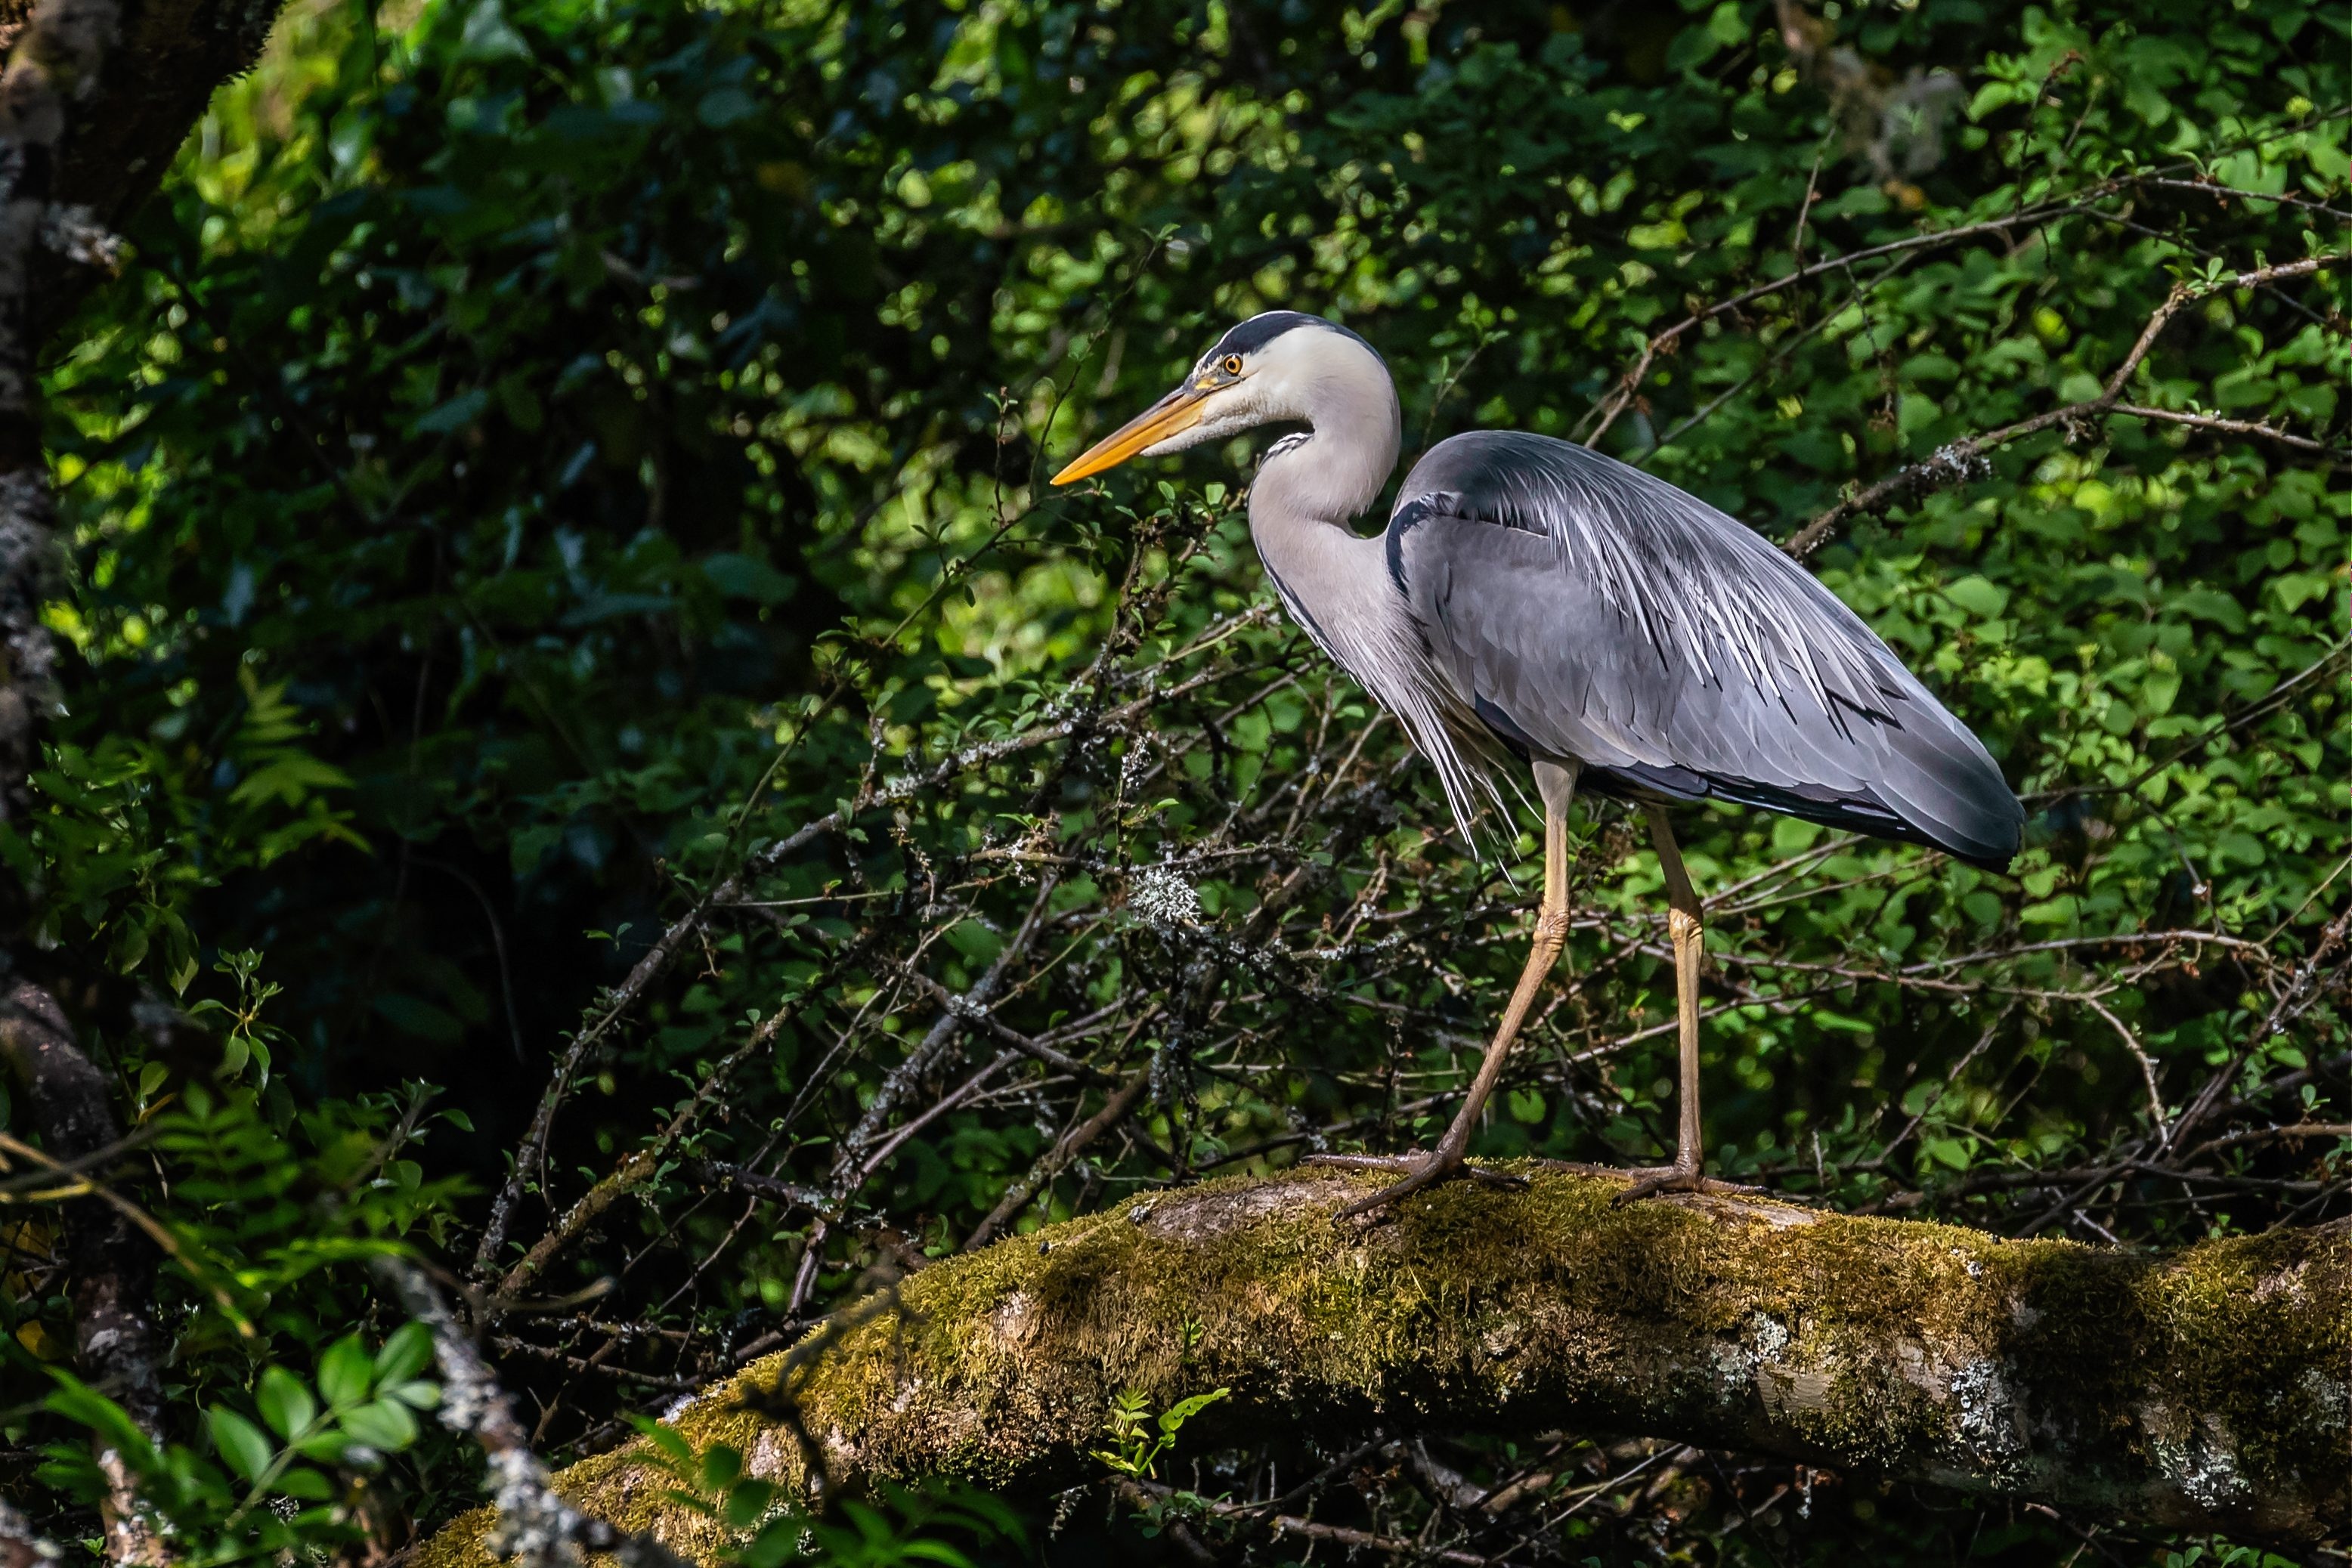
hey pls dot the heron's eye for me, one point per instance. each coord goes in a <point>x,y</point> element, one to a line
<point>1231,364</point>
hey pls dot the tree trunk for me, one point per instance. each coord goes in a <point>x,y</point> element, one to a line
<point>94,98</point>
<point>2207,1389</point>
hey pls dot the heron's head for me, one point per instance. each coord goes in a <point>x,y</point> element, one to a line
<point>1275,367</point>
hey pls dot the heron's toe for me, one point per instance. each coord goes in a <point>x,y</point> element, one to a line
<point>1656,1179</point>
<point>1421,1171</point>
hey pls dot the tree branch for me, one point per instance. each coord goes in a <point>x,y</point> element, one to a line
<point>2210,1389</point>
<point>529,1524</point>
<point>1965,459</point>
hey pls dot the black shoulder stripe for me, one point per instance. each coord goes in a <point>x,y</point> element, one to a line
<point>1410,514</point>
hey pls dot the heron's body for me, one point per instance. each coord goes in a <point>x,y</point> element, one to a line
<point>1534,599</point>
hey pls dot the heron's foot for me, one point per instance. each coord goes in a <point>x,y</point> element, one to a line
<point>1420,1170</point>
<point>1652,1180</point>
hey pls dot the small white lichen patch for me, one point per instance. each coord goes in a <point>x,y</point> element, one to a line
<point>2206,1467</point>
<point>1986,1419</point>
<point>535,1527</point>
<point>1735,1371</point>
<point>1163,898</point>
<point>2331,1401</point>
<point>2287,1283</point>
<point>1771,1337</point>
<point>1501,1337</point>
<point>1010,1324</point>
<point>766,1461</point>
<point>2212,1477</point>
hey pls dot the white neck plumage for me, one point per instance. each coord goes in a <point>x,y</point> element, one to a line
<point>1340,389</point>
<point>1334,582</point>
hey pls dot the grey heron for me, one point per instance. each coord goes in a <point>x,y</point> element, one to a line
<point>1533,599</point>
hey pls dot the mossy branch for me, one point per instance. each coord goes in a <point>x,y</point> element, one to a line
<point>2205,1389</point>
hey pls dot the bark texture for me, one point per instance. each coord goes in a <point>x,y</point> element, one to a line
<point>110,1266</point>
<point>94,96</point>
<point>2209,1389</point>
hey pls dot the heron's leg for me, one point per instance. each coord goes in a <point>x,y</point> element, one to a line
<point>1558,787</point>
<point>1685,927</point>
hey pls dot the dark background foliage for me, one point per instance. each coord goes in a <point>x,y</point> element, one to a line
<point>557,474</point>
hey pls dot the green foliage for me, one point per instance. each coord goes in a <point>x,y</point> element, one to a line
<point>247,1036</point>
<point>939,1521</point>
<point>546,457</point>
<point>292,1439</point>
<point>1138,1441</point>
<point>284,1476</point>
<point>2223,1556</point>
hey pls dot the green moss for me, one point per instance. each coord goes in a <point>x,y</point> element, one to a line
<point>2204,1388</point>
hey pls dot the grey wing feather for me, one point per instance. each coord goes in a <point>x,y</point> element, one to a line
<point>1583,609</point>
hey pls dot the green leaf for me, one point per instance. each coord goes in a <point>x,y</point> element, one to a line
<point>1979,597</point>
<point>301,1481</point>
<point>408,1352</point>
<point>720,1466</point>
<point>331,1445</point>
<point>78,1401</point>
<point>416,1393</point>
<point>725,107</point>
<point>453,415</point>
<point>383,1423</point>
<point>488,38</point>
<point>1950,1152</point>
<point>1184,1410</point>
<point>748,1503</point>
<point>240,1442</point>
<point>748,577</point>
<point>935,1551</point>
<point>284,1403</point>
<point>1692,47</point>
<point>289,781</point>
<point>345,1371</point>
<point>669,1441</point>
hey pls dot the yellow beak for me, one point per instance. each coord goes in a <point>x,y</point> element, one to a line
<point>1178,412</point>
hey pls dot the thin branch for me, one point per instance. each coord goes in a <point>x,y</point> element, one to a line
<point>536,1528</point>
<point>1964,460</point>
<point>111,1266</point>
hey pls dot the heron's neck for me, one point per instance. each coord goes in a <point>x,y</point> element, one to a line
<point>1339,468</point>
<point>1333,581</point>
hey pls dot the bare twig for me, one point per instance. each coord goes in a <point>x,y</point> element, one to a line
<point>1055,1160</point>
<point>1965,459</point>
<point>536,1528</point>
<point>110,1265</point>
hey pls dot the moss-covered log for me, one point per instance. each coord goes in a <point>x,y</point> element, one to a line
<point>2210,1388</point>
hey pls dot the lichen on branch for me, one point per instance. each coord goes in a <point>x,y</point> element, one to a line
<point>2210,1388</point>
